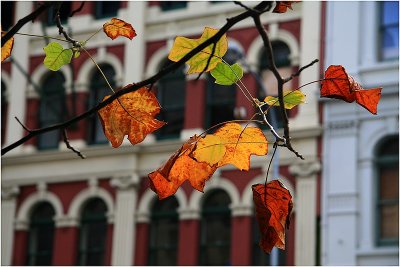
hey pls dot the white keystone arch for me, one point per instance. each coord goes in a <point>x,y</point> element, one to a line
<point>148,198</point>
<point>247,198</point>
<point>155,60</point>
<point>88,68</point>
<point>79,201</point>
<point>27,206</point>
<point>375,137</point>
<point>257,45</point>
<point>197,198</point>
<point>40,73</point>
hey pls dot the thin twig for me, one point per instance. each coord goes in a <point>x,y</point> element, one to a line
<point>32,16</point>
<point>23,126</point>
<point>269,166</point>
<point>232,21</point>
<point>66,141</point>
<point>78,9</point>
<point>63,32</point>
<point>208,60</point>
<point>300,70</point>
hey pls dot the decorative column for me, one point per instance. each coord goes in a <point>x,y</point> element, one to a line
<point>8,207</point>
<point>124,222</point>
<point>306,211</point>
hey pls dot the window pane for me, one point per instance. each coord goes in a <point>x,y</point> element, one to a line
<point>65,11</point>
<point>215,229</point>
<point>390,221</point>
<point>389,41</point>
<point>7,15</point>
<point>171,5</point>
<point>105,9</point>
<point>390,12</point>
<point>164,232</point>
<point>389,187</point>
<point>41,235</point>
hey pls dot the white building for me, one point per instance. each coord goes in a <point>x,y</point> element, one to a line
<point>360,196</point>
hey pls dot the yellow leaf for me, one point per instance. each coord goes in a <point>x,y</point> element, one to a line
<point>7,48</point>
<point>182,46</point>
<point>241,144</point>
<point>290,99</point>
<point>117,27</point>
<point>209,149</point>
<point>142,106</point>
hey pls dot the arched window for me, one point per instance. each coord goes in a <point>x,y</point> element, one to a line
<point>93,233</point>
<point>215,236</point>
<point>171,92</point>
<point>52,109</point>
<point>387,170</point>
<point>164,232</point>
<point>221,99</point>
<point>41,235</point>
<point>98,90</point>
<point>281,54</point>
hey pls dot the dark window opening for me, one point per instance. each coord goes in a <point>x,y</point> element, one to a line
<point>98,90</point>
<point>93,233</point>
<point>171,92</point>
<point>106,9</point>
<point>215,236</point>
<point>65,11</point>
<point>7,15</point>
<point>389,30</point>
<point>164,233</point>
<point>172,5</point>
<point>41,235</point>
<point>52,109</point>
<point>387,168</point>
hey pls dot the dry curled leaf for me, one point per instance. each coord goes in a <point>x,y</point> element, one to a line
<point>7,48</point>
<point>117,27</point>
<point>166,180</point>
<point>182,46</point>
<point>134,118</point>
<point>282,6</point>
<point>338,84</point>
<point>272,213</point>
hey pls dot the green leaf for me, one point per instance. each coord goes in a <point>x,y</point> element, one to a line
<point>227,75</point>
<point>56,56</point>
<point>290,99</point>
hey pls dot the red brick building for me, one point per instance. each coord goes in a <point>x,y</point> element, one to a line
<point>58,209</point>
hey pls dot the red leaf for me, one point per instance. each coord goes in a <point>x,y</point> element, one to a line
<point>273,213</point>
<point>282,6</point>
<point>338,84</point>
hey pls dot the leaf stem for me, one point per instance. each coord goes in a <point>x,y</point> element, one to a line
<point>39,36</point>
<point>269,166</point>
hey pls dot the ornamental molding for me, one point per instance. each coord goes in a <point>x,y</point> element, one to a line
<point>124,182</point>
<point>9,192</point>
<point>305,169</point>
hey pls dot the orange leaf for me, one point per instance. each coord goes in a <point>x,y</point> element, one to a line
<point>180,167</point>
<point>7,48</point>
<point>135,118</point>
<point>338,84</point>
<point>241,144</point>
<point>282,6</point>
<point>273,213</point>
<point>116,27</point>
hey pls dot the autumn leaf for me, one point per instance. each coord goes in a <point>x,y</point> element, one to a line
<point>166,180</point>
<point>7,48</point>
<point>182,46</point>
<point>290,99</point>
<point>239,144</point>
<point>338,84</point>
<point>210,149</point>
<point>117,27</point>
<point>282,6</point>
<point>273,205</point>
<point>134,118</point>
<point>56,56</point>
<point>227,75</point>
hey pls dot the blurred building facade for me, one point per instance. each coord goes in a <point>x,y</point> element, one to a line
<point>100,211</point>
<point>360,188</point>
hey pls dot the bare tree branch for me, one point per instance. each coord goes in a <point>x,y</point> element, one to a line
<point>263,6</point>
<point>24,20</point>
<point>299,71</point>
<point>78,9</point>
<point>66,141</point>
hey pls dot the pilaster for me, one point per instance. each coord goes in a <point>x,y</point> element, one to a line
<point>124,223</point>
<point>8,207</point>
<point>306,192</point>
